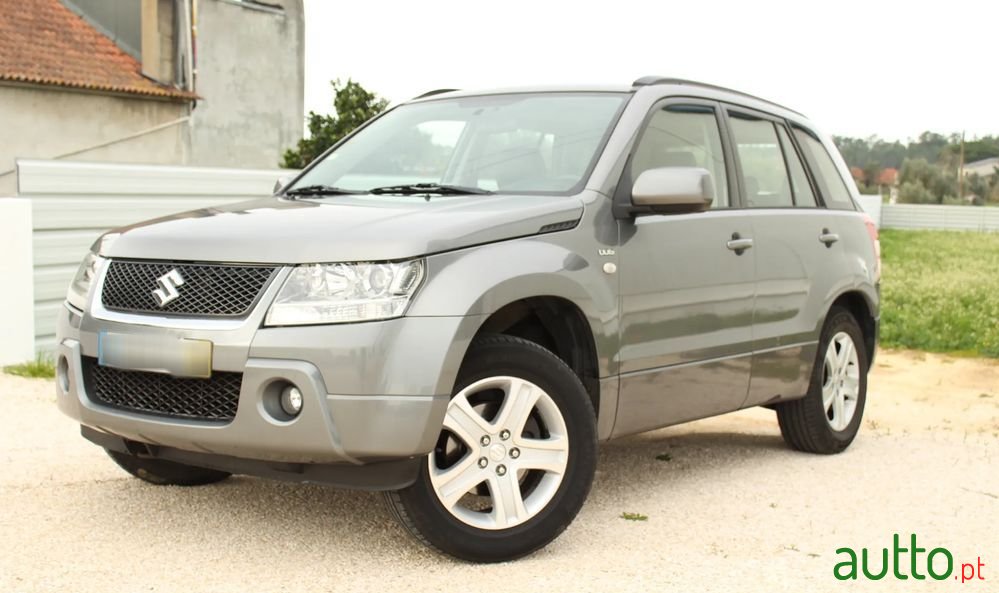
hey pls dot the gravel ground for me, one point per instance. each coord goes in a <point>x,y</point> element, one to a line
<point>732,509</point>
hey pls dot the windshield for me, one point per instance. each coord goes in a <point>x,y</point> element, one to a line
<point>524,143</point>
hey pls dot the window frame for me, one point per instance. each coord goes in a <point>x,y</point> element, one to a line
<point>776,121</point>
<point>812,184</point>
<point>810,167</point>
<point>622,200</point>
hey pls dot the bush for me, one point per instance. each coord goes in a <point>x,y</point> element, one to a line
<point>913,192</point>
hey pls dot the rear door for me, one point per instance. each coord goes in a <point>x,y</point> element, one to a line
<point>799,263</point>
<point>686,295</point>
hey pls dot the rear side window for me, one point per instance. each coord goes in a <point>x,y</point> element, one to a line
<point>764,174</point>
<point>803,195</point>
<point>831,184</point>
<point>684,136</point>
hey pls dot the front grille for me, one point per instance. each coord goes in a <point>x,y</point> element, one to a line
<point>212,400</point>
<point>206,290</point>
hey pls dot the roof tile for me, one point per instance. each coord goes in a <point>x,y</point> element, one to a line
<point>44,42</point>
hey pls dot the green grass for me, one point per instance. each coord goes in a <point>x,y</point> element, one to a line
<point>40,368</point>
<point>940,291</point>
<point>634,517</point>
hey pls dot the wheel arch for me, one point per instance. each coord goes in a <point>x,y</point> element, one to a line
<point>533,289</point>
<point>558,325</point>
<point>861,306</point>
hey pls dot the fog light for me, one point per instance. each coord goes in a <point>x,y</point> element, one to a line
<point>291,400</point>
<point>62,374</point>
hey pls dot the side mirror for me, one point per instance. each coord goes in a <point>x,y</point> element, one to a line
<point>281,183</point>
<point>673,190</point>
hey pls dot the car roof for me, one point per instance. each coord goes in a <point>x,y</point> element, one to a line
<point>680,87</point>
<point>550,88</point>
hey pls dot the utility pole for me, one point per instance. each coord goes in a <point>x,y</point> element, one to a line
<point>960,171</point>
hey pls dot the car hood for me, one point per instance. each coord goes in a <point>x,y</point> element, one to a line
<point>339,228</point>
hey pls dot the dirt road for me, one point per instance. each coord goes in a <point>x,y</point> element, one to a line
<point>729,508</point>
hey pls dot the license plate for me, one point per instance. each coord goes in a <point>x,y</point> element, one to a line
<point>181,357</point>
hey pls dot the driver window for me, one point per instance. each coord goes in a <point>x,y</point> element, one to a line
<point>684,136</point>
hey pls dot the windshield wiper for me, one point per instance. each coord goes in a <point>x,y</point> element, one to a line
<point>321,190</point>
<point>413,189</point>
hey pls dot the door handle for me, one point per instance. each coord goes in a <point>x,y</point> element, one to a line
<point>828,238</point>
<point>738,244</point>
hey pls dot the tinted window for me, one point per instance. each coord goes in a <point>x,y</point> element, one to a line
<point>803,194</point>
<point>764,174</point>
<point>684,136</point>
<point>831,184</point>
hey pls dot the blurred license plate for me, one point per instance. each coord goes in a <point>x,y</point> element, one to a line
<point>158,354</point>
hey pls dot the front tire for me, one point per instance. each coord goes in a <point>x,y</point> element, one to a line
<point>166,473</point>
<point>515,459</point>
<point>827,419</point>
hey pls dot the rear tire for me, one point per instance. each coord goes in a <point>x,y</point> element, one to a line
<point>515,459</point>
<point>828,418</point>
<point>166,473</point>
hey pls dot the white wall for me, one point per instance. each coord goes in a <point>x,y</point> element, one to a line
<point>46,122</point>
<point>16,299</point>
<point>251,76</point>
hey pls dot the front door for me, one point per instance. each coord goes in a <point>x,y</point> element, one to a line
<point>687,285</point>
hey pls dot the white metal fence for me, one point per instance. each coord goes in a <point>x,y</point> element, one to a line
<point>72,203</point>
<point>928,216</point>
<point>924,216</point>
<point>872,206</point>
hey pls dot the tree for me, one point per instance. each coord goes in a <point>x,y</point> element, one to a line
<point>920,176</point>
<point>353,105</point>
<point>872,171</point>
<point>913,192</point>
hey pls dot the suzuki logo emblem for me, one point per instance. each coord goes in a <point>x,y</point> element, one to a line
<point>167,291</point>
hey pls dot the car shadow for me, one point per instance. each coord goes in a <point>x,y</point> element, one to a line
<point>314,516</point>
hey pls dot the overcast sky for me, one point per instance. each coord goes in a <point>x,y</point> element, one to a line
<point>886,67</point>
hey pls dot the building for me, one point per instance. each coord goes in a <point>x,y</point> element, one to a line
<point>888,176</point>
<point>983,168</point>
<point>188,82</point>
<point>858,175</point>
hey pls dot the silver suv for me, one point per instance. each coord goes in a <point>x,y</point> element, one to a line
<point>457,302</point>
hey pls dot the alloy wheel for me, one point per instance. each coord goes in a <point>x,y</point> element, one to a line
<point>502,454</point>
<point>840,381</point>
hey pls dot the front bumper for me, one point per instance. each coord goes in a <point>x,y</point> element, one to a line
<point>373,392</point>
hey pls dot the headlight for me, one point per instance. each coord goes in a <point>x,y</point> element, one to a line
<point>341,293</point>
<point>80,286</point>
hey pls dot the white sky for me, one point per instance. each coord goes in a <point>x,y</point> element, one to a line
<point>886,67</point>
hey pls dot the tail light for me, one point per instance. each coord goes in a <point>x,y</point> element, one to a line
<point>872,232</point>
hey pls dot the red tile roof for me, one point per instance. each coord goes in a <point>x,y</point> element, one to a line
<point>43,42</point>
<point>888,176</point>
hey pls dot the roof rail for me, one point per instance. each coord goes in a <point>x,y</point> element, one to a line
<point>434,92</point>
<point>652,80</point>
